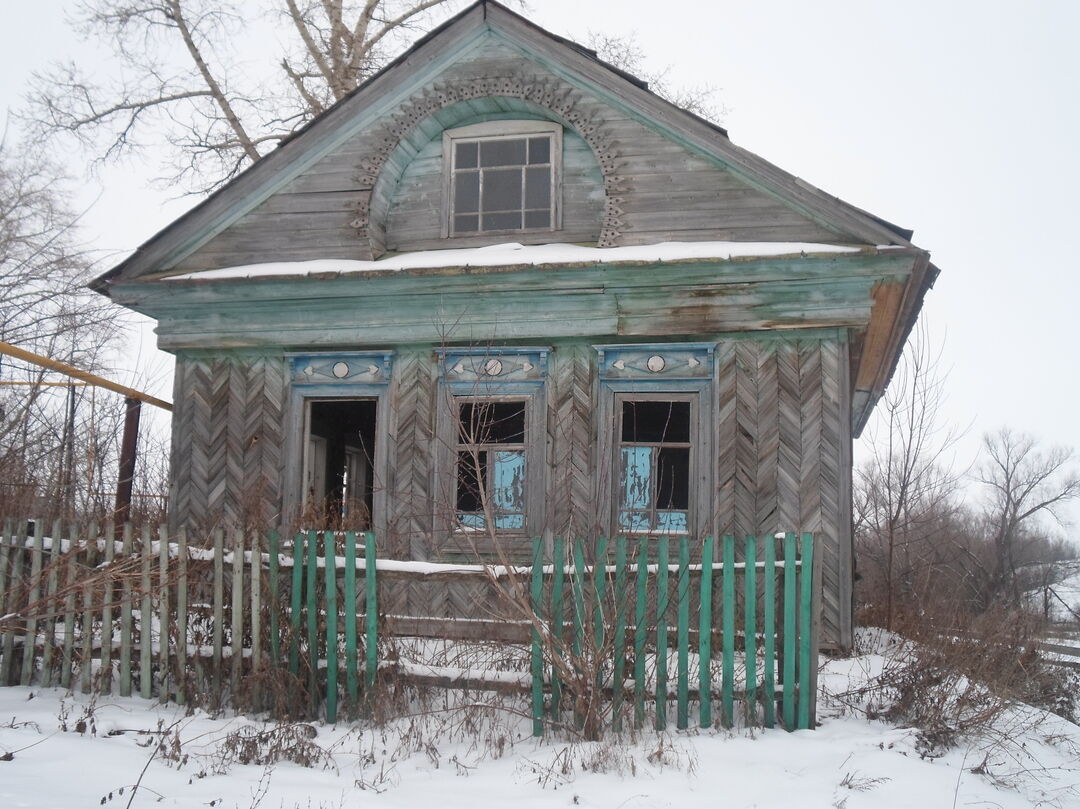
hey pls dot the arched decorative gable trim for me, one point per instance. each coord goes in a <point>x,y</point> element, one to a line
<point>555,97</point>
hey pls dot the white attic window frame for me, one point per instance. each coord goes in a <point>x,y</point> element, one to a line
<point>499,131</point>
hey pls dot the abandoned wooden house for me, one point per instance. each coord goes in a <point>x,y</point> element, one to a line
<point>503,291</point>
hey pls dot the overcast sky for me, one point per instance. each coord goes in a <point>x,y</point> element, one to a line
<point>956,119</point>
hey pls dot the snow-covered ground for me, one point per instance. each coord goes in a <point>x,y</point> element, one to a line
<point>59,750</point>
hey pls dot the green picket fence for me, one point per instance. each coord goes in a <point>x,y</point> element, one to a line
<point>630,621</point>
<point>627,628</point>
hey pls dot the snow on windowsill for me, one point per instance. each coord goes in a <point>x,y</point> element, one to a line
<point>514,254</point>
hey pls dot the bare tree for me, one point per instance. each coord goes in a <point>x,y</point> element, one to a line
<point>1025,481</point>
<point>906,491</point>
<point>626,54</point>
<point>44,308</point>
<point>180,78</point>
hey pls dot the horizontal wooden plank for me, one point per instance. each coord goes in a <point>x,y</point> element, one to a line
<point>665,221</point>
<point>474,629</point>
<point>415,242</point>
<point>695,274</point>
<point>783,233</point>
<point>307,203</point>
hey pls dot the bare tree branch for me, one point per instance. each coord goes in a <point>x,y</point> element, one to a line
<point>175,13</point>
<point>909,487</point>
<point>1025,482</point>
<point>625,53</point>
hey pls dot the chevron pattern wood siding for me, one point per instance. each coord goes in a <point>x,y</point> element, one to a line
<point>572,483</point>
<point>781,459</point>
<point>781,455</point>
<point>227,449</point>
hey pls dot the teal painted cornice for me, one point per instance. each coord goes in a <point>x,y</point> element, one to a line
<point>604,302</point>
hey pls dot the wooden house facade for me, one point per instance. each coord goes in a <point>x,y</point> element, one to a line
<point>504,291</point>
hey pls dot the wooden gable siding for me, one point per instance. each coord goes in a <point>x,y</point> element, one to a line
<point>658,190</point>
<point>780,432</point>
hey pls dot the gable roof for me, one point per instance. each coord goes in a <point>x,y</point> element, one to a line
<point>374,97</point>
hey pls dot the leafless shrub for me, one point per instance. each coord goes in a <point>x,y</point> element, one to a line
<point>275,691</point>
<point>269,745</point>
<point>857,783</point>
<point>957,680</point>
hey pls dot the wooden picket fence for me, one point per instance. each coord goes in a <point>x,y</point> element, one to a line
<point>754,616</point>
<point>154,615</point>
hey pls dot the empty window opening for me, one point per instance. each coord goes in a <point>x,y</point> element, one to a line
<point>655,439</point>
<point>339,463</point>
<point>490,478</point>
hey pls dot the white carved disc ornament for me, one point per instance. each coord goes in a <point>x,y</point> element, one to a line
<point>340,369</point>
<point>493,367</point>
<point>656,363</point>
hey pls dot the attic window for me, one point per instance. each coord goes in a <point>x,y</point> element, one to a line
<point>502,177</point>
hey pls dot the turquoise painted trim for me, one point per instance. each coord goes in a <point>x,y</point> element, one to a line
<point>783,290</point>
<point>340,368</point>
<point>431,129</point>
<point>807,269</point>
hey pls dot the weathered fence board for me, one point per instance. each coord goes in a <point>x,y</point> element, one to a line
<point>613,640</point>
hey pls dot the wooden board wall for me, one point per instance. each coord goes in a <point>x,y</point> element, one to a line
<point>656,189</point>
<point>781,438</point>
<point>416,214</point>
<point>227,440</point>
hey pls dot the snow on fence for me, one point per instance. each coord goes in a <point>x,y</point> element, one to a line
<point>606,633</point>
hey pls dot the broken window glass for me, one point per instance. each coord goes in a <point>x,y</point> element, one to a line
<point>491,465</point>
<point>654,466</point>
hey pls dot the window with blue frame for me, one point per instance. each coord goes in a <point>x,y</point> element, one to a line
<point>654,462</point>
<point>490,466</point>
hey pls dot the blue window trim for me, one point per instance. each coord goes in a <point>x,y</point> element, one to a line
<point>320,375</point>
<point>500,373</point>
<point>684,371</point>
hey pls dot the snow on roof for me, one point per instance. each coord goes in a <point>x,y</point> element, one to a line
<point>514,254</point>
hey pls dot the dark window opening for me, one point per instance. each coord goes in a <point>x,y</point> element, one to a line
<point>490,469</point>
<point>654,466</point>
<point>656,422</point>
<point>492,422</point>
<point>340,463</point>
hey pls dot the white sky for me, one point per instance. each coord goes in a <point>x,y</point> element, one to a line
<point>958,119</point>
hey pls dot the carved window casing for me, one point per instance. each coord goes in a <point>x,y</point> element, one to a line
<point>655,413</point>
<point>334,381</point>
<point>502,177</point>
<point>490,445</point>
<point>490,463</point>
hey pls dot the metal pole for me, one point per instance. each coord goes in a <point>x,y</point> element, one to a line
<point>69,457</point>
<point>85,376</point>
<point>128,451</point>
